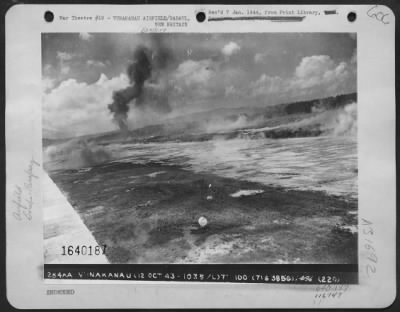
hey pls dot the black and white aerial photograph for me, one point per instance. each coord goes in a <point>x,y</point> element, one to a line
<point>200,148</point>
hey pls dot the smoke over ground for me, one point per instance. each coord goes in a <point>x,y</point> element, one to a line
<point>148,82</point>
<point>222,124</point>
<point>345,122</point>
<point>75,154</point>
<point>337,122</point>
<point>322,121</point>
<point>334,122</point>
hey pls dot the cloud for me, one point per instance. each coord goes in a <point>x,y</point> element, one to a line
<point>315,76</point>
<point>65,59</point>
<point>196,80</point>
<point>266,85</point>
<point>76,108</point>
<point>85,36</point>
<point>95,63</point>
<point>47,68</point>
<point>314,65</point>
<point>195,72</point>
<point>232,91</point>
<point>47,83</point>
<point>230,49</point>
<point>260,58</point>
<point>321,71</point>
<point>65,69</point>
<point>64,56</point>
<point>205,79</point>
<point>353,59</point>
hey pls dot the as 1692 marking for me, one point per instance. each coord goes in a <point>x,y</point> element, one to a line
<point>83,250</point>
<point>369,249</point>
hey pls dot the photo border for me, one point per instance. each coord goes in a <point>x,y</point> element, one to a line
<point>292,2</point>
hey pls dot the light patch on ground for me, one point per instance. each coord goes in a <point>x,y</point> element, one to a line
<point>352,228</point>
<point>246,193</point>
<point>84,169</point>
<point>282,261</point>
<point>154,174</point>
<point>215,248</point>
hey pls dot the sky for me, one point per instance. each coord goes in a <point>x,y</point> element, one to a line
<point>81,71</point>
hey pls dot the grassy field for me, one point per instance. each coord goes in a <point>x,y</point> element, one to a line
<point>148,214</point>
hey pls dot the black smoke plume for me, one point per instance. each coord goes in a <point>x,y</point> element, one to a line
<point>148,65</point>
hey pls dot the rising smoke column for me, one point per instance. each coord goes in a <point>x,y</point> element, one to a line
<point>147,63</point>
<point>138,72</point>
